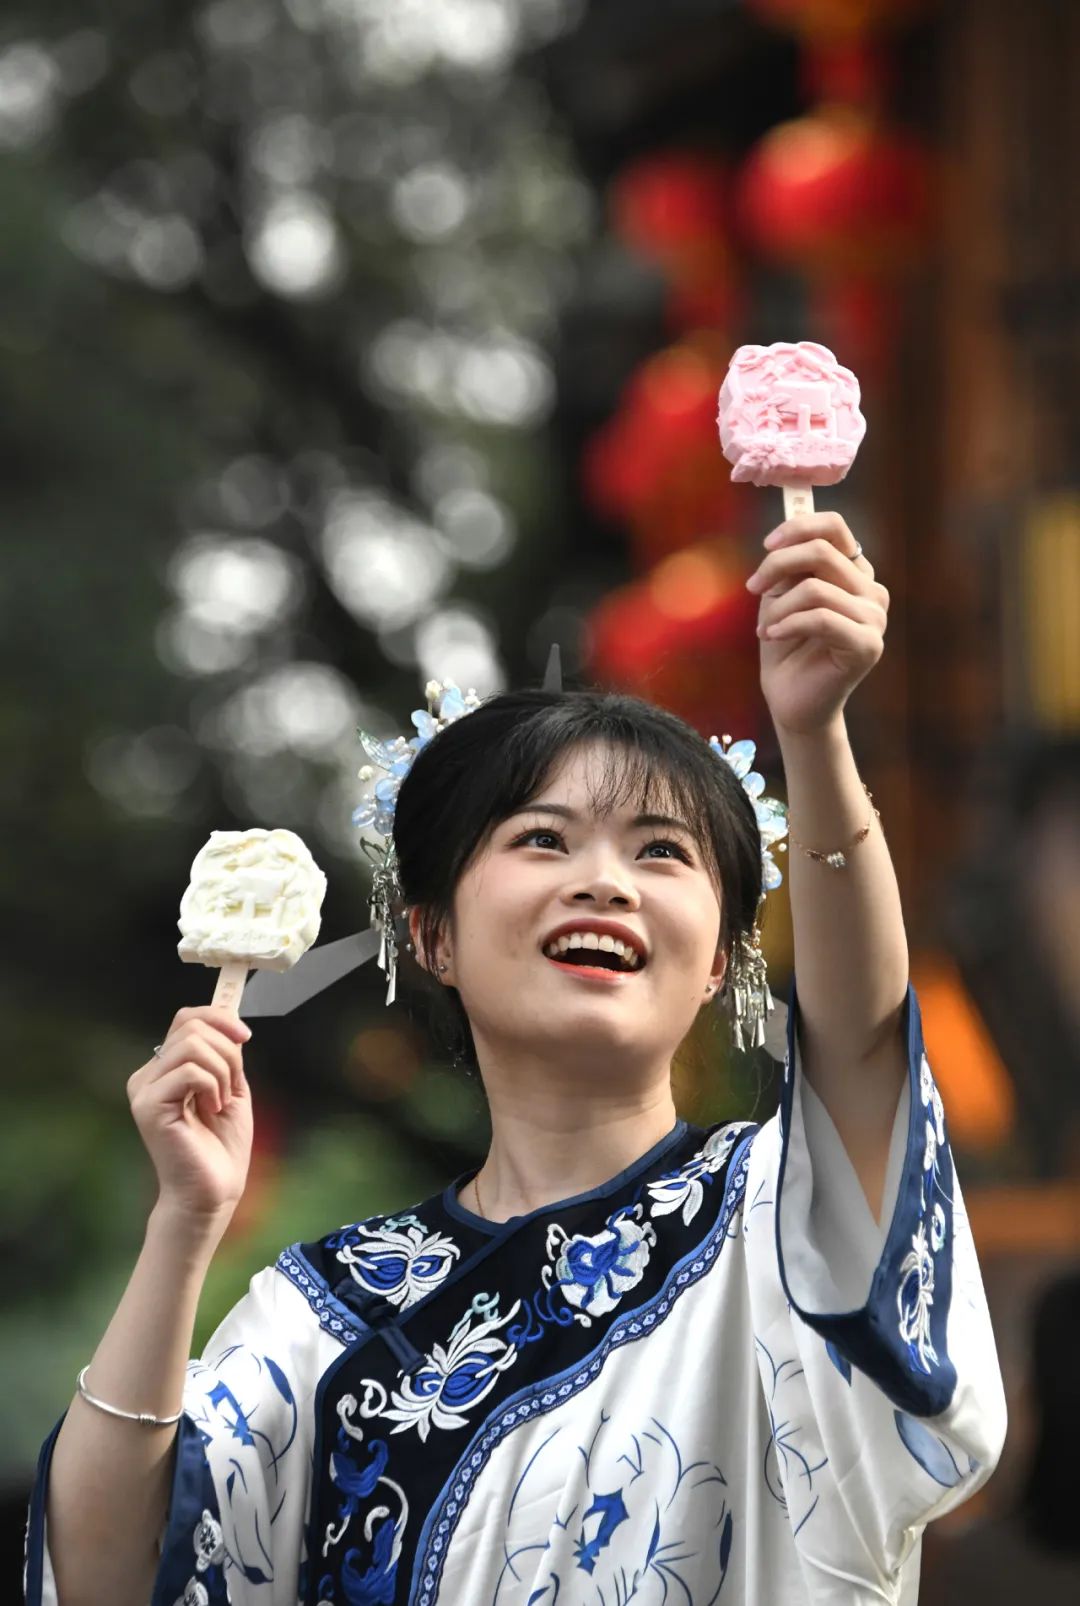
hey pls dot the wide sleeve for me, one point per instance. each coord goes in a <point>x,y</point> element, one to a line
<point>235,1527</point>
<point>874,1345</point>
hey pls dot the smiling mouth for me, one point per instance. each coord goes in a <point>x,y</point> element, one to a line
<point>597,969</point>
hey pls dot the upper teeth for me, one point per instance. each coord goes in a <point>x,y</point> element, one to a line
<point>592,939</point>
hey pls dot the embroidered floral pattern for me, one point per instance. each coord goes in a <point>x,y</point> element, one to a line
<point>595,1272</point>
<point>914,1299</point>
<point>684,1188</point>
<point>915,1295</point>
<point>628,1328</point>
<point>400,1260</point>
<point>209,1545</point>
<point>456,1378</point>
<point>376,1582</point>
<point>592,1272</point>
<point>209,1552</point>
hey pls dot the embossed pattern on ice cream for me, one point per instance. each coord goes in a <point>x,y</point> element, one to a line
<point>789,415</point>
<point>254,899</point>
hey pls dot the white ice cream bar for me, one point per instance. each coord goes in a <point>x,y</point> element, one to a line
<point>254,899</point>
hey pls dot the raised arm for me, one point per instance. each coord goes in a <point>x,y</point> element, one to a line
<point>822,622</point>
<point>109,1478</point>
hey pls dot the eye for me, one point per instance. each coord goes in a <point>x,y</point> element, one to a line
<point>666,842</point>
<point>539,830</point>
<point>557,836</point>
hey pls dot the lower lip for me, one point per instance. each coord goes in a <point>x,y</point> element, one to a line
<point>591,972</point>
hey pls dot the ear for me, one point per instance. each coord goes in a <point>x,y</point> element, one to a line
<point>718,972</point>
<point>415,917</point>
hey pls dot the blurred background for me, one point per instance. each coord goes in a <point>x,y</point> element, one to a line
<point>346,343</point>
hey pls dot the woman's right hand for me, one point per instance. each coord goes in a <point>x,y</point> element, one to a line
<point>192,1106</point>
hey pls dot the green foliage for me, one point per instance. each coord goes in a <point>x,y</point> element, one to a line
<point>150,342</point>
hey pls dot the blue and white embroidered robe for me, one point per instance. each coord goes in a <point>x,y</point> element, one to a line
<point>714,1378</point>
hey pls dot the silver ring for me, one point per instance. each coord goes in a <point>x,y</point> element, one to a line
<point>157,1050</point>
<point>857,552</point>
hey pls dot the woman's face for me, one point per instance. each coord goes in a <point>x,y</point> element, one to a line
<point>542,869</point>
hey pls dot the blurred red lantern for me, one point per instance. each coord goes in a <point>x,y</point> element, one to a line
<point>683,637</point>
<point>847,72</point>
<point>834,16</point>
<point>673,208</point>
<point>831,190</point>
<point>706,301</point>
<point>656,465</point>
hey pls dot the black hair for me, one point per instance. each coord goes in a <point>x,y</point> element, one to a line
<point>483,767</point>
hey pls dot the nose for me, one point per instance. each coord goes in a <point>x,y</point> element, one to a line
<point>608,883</point>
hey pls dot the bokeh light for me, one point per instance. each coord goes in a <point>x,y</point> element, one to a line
<point>457,643</point>
<point>294,247</point>
<point>145,774</point>
<point>307,708</point>
<point>474,528</point>
<point>385,567</point>
<point>29,85</point>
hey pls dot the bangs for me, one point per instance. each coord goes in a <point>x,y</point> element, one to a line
<point>624,770</point>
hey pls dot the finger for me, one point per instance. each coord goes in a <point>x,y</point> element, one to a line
<point>828,525</point>
<point>822,624</point>
<point>814,593</point>
<point>230,1051</point>
<point>193,1049</point>
<point>212,1015</point>
<point>778,571</point>
<point>181,1084</point>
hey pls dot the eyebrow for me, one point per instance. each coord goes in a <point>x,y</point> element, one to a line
<point>570,814</point>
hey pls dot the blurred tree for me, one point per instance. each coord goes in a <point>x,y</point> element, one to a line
<point>278,300</point>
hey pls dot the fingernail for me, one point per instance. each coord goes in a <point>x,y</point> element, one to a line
<point>773,538</point>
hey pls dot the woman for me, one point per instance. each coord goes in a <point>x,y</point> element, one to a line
<point>627,1354</point>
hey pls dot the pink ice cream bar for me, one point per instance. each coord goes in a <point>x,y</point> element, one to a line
<point>789,415</point>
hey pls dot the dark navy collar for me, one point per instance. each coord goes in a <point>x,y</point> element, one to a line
<point>453,1206</point>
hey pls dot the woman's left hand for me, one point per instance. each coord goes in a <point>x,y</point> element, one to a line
<point>825,615</point>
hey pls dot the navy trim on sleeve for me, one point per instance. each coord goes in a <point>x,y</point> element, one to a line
<point>898,1338</point>
<point>34,1566</point>
<point>192,1548</point>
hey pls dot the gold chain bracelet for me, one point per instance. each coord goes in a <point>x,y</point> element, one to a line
<point>837,858</point>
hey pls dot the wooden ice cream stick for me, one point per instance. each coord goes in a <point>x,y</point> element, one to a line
<point>230,987</point>
<point>798,500</point>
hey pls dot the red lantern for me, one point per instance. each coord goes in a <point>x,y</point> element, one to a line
<point>845,72</point>
<point>836,17</point>
<point>673,208</point>
<point>707,301</point>
<point>831,191</point>
<point>656,465</point>
<point>683,637</point>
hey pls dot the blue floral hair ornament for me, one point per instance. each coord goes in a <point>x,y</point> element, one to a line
<point>772,816</point>
<point>745,983</point>
<point>446,703</point>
